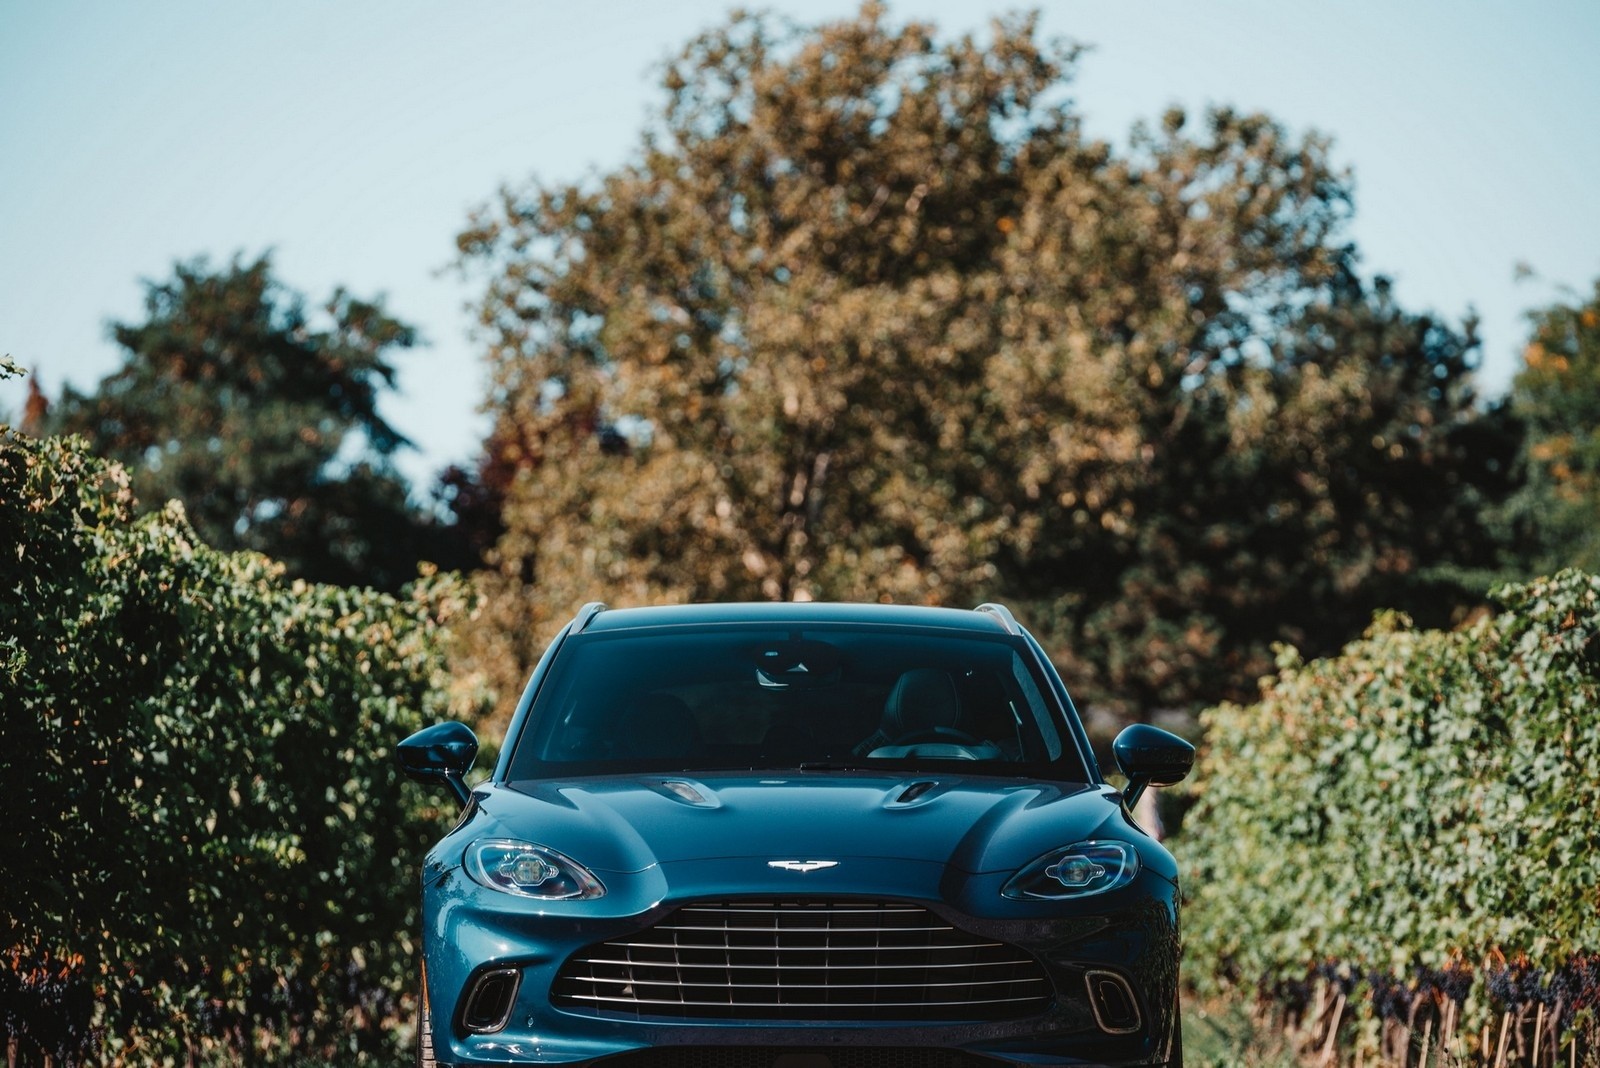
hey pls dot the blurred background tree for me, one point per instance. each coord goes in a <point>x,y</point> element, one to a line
<point>868,316</point>
<point>265,424</point>
<point>1555,515</point>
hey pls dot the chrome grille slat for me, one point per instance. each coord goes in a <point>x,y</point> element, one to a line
<point>823,986</point>
<point>804,960</point>
<point>777,947</point>
<point>802,930</point>
<point>830,967</point>
<point>792,1005</point>
<point>800,910</point>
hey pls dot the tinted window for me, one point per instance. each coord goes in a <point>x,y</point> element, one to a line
<point>704,698</point>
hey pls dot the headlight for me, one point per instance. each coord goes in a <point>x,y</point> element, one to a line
<point>529,870</point>
<point>1077,871</point>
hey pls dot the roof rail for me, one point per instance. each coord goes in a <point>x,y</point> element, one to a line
<point>585,615</point>
<point>1003,614</point>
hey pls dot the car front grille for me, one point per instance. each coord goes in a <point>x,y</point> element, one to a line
<point>804,960</point>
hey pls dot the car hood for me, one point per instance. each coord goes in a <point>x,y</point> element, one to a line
<point>627,824</point>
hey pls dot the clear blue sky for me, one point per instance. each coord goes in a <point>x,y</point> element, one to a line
<point>352,138</point>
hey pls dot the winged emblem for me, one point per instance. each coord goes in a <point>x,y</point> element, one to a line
<point>802,865</point>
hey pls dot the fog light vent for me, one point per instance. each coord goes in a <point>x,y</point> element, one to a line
<point>1116,1010</point>
<point>487,1005</point>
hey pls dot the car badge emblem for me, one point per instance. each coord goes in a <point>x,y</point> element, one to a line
<point>802,866</point>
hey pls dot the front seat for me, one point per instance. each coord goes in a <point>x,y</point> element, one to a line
<point>923,700</point>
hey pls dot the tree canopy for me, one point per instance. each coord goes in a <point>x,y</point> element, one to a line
<point>1555,513</point>
<point>869,316</point>
<point>263,419</point>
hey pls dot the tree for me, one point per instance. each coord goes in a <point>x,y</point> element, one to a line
<point>868,316</point>
<point>264,423</point>
<point>1556,514</point>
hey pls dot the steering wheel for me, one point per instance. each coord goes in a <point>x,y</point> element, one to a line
<point>946,735</point>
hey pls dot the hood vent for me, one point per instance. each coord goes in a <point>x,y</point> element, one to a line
<point>691,793</point>
<point>914,792</point>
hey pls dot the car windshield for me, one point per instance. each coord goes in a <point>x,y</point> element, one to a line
<point>745,696</point>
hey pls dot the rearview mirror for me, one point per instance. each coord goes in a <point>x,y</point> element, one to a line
<point>1150,756</point>
<point>442,753</point>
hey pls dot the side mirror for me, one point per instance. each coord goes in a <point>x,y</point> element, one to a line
<point>1150,756</point>
<point>443,753</point>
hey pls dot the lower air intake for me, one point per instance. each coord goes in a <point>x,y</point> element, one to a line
<point>490,996</point>
<point>1116,1010</point>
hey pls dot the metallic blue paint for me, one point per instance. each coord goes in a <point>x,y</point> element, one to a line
<point>951,849</point>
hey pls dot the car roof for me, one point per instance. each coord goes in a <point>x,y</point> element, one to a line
<point>788,613</point>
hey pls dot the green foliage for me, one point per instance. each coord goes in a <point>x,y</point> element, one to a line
<point>264,422</point>
<point>216,836</point>
<point>1420,804</point>
<point>1557,396</point>
<point>868,316</point>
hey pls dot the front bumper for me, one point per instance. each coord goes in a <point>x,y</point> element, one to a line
<point>1130,933</point>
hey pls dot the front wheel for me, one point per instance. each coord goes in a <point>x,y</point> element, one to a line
<point>1175,1058</point>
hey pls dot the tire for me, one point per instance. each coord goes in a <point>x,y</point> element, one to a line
<point>1175,1058</point>
<point>425,1057</point>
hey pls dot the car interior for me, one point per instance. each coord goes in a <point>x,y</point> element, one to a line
<point>733,700</point>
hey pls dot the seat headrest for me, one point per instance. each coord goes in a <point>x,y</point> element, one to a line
<point>922,698</point>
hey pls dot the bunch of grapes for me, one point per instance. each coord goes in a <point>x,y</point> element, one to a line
<point>1294,995</point>
<point>280,997</point>
<point>47,1005</point>
<point>359,992</point>
<point>1391,998</point>
<point>1505,986</point>
<point>214,1015</point>
<point>1453,982</point>
<point>1575,987</point>
<point>1337,976</point>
